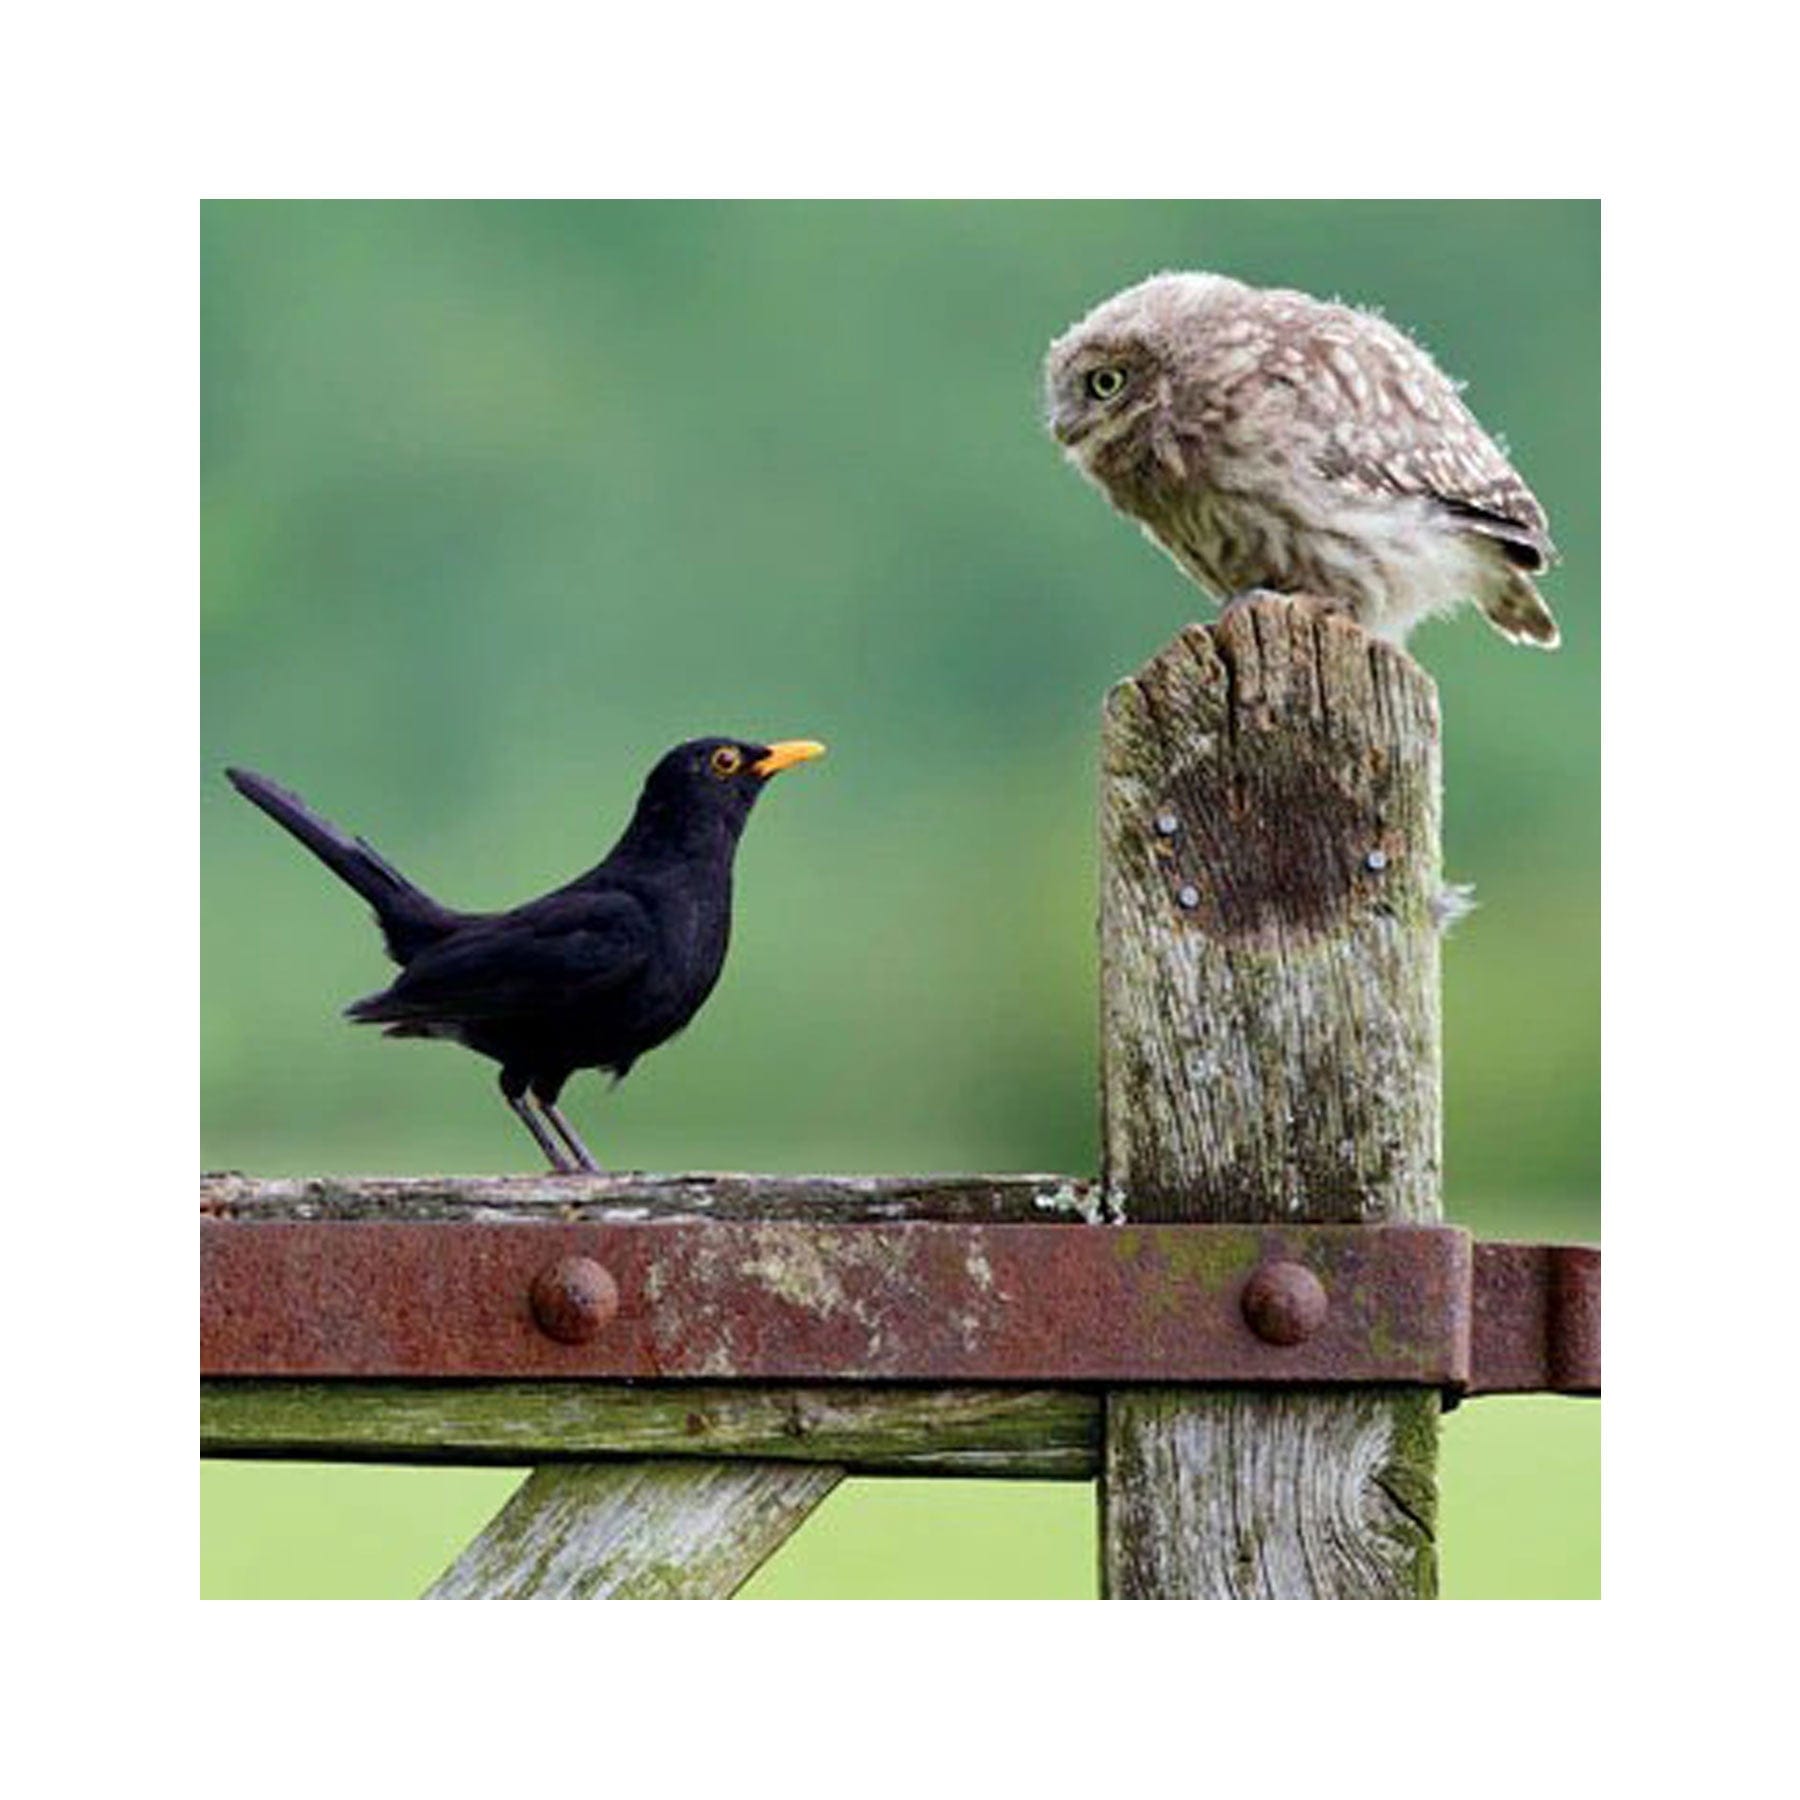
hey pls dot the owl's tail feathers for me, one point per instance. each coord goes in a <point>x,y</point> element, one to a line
<point>1517,611</point>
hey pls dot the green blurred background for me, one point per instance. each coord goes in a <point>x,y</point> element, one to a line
<point>502,499</point>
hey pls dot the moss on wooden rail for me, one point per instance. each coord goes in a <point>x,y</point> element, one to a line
<point>1047,1434</point>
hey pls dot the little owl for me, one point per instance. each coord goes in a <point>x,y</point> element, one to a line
<point>1271,441</point>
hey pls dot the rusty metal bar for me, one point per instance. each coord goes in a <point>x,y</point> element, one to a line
<point>1536,1319</point>
<point>922,1302</point>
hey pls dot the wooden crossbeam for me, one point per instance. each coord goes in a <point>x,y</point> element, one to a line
<point>1047,1434</point>
<point>630,1198</point>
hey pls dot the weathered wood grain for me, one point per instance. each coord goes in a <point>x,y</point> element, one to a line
<point>1270,1031</point>
<point>653,1530</point>
<point>1208,1496</point>
<point>1041,1433</point>
<point>953,1199</point>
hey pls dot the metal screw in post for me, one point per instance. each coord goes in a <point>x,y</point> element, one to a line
<point>1167,824</point>
<point>1188,895</point>
<point>1376,860</point>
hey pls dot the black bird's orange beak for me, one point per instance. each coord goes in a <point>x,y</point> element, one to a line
<point>785,754</point>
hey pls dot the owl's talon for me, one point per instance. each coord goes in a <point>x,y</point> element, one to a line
<point>1247,598</point>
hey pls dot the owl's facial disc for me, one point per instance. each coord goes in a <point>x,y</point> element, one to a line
<point>1098,407</point>
<point>1098,392</point>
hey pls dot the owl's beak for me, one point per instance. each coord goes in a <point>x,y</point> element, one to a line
<point>785,754</point>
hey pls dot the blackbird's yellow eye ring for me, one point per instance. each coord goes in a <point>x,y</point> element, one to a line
<point>1106,384</point>
<point>726,761</point>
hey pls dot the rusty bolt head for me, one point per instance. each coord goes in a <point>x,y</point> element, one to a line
<point>1284,1303</point>
<point>571,1299</point>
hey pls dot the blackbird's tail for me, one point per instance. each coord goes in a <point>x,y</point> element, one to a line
<point>409,918</point>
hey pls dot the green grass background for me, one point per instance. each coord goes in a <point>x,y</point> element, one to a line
<point>502,499</point>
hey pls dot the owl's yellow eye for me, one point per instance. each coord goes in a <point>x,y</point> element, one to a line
<point>1106,384</point>
<point>726,761</point>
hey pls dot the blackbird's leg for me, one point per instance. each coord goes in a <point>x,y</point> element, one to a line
<point>583,1156</point>
<point>559,1164</point>
<point>513,1087</point>
<point>545,1093</point>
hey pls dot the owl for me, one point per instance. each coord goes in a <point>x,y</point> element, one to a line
<point>1270,441</point>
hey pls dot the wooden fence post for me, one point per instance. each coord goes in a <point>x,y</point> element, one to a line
<point>1270,1051</point>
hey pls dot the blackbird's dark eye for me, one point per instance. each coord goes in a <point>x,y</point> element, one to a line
<point>725,761</point>
<point>1106,384</point>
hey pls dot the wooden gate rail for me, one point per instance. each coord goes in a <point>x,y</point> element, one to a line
<point>1271,904</point>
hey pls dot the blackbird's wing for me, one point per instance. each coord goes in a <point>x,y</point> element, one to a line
<point>565,950</point>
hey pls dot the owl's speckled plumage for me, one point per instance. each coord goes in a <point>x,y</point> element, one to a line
<point>1268,440</point>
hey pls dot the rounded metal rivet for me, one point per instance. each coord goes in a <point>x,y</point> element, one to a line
<point>1376,860</point>
<point>1189,896</point>
<point>1167,824</point>
<point>572,1298</point>
<point>1284,1303</point>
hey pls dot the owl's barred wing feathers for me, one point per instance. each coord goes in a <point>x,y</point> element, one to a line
<point>1393,423</point>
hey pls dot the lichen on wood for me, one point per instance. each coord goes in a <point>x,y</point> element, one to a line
<point>1269,968</point>
<point>628,1198</point>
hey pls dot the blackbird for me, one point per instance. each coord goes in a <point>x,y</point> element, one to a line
<point>588,977</point>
